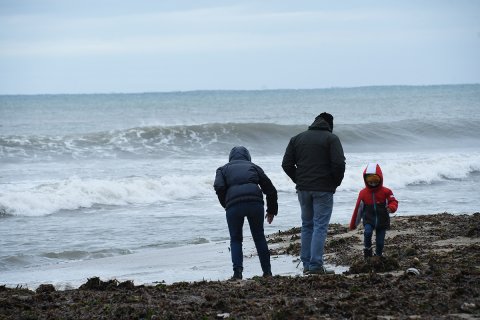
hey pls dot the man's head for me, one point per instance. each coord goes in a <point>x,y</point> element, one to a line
<point>327,117</point>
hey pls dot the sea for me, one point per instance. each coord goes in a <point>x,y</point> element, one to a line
<point>120,186</point>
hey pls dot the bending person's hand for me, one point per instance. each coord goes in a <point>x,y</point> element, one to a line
<point>269,217</point>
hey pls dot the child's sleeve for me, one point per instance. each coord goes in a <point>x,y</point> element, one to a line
<point>392,202</point>
<point>357,213</point>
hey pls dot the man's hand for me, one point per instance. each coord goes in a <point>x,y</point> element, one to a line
<point>269,217</point>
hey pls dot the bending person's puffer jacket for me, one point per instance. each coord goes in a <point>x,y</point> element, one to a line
<point>240,180</point>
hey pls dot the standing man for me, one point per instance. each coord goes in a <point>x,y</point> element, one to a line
<point>315,162</point>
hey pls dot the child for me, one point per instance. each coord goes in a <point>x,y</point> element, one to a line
<point>374,204</point>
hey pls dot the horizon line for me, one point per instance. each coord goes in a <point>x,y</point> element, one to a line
<point>242,90</point>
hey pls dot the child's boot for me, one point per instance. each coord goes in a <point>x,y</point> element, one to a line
<point>379,251</point>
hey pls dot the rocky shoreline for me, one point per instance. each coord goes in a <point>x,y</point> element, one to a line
<point>444,250</point>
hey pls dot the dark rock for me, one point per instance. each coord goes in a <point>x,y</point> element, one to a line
<point>45,288</point>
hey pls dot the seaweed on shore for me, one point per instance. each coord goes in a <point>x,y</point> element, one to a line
<point>439,247</point>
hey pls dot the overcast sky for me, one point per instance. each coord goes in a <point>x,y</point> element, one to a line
<point>96,46</point>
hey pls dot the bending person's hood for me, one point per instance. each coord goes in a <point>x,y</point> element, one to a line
<point>239,153</point>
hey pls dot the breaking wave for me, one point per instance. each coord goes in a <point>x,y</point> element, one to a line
<point>403,171</point>
<point>77,193</point>
<point>158,141</point>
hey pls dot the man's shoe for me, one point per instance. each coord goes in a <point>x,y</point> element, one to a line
<point>328,271</point>
<point>321,270</point>
<point>267,274</point>
<point>305,271</point>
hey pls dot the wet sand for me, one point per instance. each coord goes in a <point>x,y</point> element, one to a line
<point>443,248</point>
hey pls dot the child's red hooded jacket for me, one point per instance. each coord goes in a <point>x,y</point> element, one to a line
<point>372,202</point>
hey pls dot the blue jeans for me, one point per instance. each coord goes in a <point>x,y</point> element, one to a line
<point>254,213</point>
<point>316,209</point>
<point>379,238</point>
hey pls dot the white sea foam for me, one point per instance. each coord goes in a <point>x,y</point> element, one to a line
<point>76,192</point>
<point>401,170</point>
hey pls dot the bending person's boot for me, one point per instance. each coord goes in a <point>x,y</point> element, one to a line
<point>237,274</point>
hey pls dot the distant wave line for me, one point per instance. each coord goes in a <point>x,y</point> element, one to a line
<point>215,137</point>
